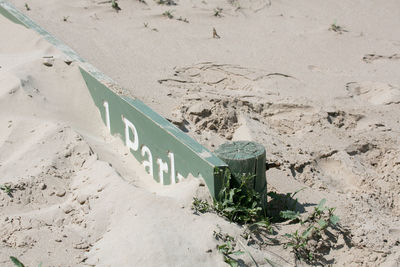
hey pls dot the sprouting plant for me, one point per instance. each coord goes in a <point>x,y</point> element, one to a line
<point>199,205</point>
<point>166,2</point>
<point>227,248</point>
<point>283,206</point>
<point>336,28</point>
<point>115,5</point>
<point>183,19</point>
<point>290,215</point>
<point>217,12</point>
<point>239,203</point>
<point>27,7</point>
<point>264,224</point>
<point>168,14</point>
<point>65,18</point>
<point>146,25</point>
<point>6,189</point>
<point>18,263</point>
<point>298,243</point>
<point>317,222</point>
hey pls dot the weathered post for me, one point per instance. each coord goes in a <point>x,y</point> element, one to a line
<point>245,158</point>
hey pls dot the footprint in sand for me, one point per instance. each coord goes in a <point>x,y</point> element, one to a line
<point>376,93</point>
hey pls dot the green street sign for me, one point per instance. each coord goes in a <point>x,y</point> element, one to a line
<point>166,153</point>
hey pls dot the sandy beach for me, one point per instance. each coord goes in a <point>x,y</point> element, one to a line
<point>316,83</point>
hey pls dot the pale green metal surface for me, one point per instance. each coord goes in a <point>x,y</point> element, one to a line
<point>169,147</point>
<point>245,158</point>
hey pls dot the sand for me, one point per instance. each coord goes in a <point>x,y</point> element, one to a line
<point>324,100</point>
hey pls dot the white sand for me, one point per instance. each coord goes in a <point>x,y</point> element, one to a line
<point>326,106</point>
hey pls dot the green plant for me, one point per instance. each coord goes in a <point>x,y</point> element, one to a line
<point>298,243</point>
<point>227,248</point>
<point>264,224</point>
<point>336,28</point>
<point>217,12</point>
<point>18,263</point>
<point>290,215</point>
<point>282,207</point>
<point>168,14</point>
<point>183,19</point>
<point>115,5</point>
<point>317,222</point>
<point>6,189</point>
<point>240,203</point>
<point>199,205</point>
<point>27,7</point>
<point>166,2</point>
<point>146,25</point>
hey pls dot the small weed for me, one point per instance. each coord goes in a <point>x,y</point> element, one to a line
<point>115,5</point>
<point>282,207</point>
<point>317,222</point>
<point>166,2</point>
<point>240,203</point>
<point>217,12</point>
<point>227,248</point>
<point>183,19</point>
<point>199,205</point>
<point>298,243</point>
<point>336,28</point>
<point>215,34</point>
<point>146,25</point>
<point>18,263</point>
<point>27,7</point>
<point>168,14</point>
<point>7,189</point>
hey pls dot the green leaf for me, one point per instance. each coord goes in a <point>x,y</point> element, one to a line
<point>334,219</point>
<point>288,235</point>
<point>321,205</point>
<point>231,262</point>
<point>237,253</point>
<point>16,262</point>
<point>322,223</point>
<point>289,214</point>
<point>307,232</point>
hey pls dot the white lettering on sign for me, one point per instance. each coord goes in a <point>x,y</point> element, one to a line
<point>180,177</point>
<point>149,162</point>
<point>105,104</point>
<point>132,142</point>
<point>129,126</point>
<point>172,163</point>
<point>162,167</point>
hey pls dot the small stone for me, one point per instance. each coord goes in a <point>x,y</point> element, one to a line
<point>81,199</point>
<point>58,240</point>
<point>61,193</point>
<point>42,186</point>
<point>48,62</point>
<point>67,209</point>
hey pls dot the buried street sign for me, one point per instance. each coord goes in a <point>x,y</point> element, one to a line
<point>166,153</point>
